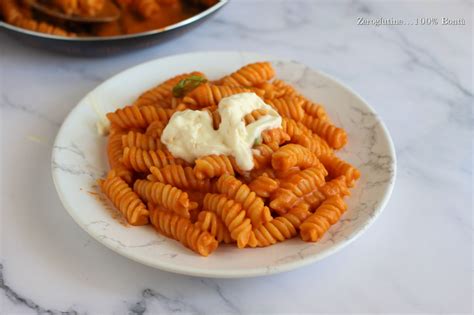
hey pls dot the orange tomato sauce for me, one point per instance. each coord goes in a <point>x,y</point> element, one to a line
<point>130,22</point>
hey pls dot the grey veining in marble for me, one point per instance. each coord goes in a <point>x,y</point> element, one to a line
<point>415,259</point>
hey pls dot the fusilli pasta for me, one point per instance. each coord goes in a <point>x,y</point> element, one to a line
<point>289,107</point>
<point>283,227</point>
<point>182,230</point>
<point>181,177</point>
<point>264,185</point>
<point>164,195</point>
<point>139,117</point>
<point>293,155</point>
<point>232,215</point>
<point>209,221</point>
<point>296,186</point>
<point>141,160</point>
<point>337,167</point>
<point>210,95</point>
<point>213,166</point>
<point>125,199</point>
<point>141,141</point>
<point>254,205</point>
<point>250,75</point>
<point>334,136</point>
<point>327,214</point>
<point>162,93</point>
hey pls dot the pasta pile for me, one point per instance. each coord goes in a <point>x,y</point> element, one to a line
<point>296,187</point>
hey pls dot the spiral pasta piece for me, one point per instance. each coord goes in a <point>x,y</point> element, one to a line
<point>153,113</point>
<point>141,141</point>
<point>282,200</point>
<point>163,92</point>
<point>240,192</point>
<point>298,187</point>
<point>295,128</point>
<point>181,177</point>
<point>290,107</point>
<point>293,155</point>
<point>267,171</point>
<point>182,230</point>
<point>127,117</point>
<point>250,75</point>
<point>215,116</point>
<point>327,214</point>
<point>314,198</point>
<point>336,186</point>
<point>114,149</point>
<point>270,90</point>
<point>141,160</point>
<point>290,126</point>
<point>124,199</point>
<point>216,119</point>
<point>254,115</point>
<point>310,108</point>
<point>284,174</point>
<point>210,94</point>
<point>283,227</point>
<point>337,167</point>
<point>155,129</point>
<point>232,215</point>
<point>300,134</point>
<point>209,221</point>
<point>262,155</point>
<point>285,199</point>
<point>213,166</point>
<point>276,135</point>
<point>282,89</point>
<point>314,110</point>
<point>177,102</point>
<point>139,117</point>
<point>306,180</point>
<point>114,154</point>
<point>123,173</point>
<point>334,136</point>
<point>264,185</point>
<point>114,129</point>
<point>313,143</point>
<point>164,195</point>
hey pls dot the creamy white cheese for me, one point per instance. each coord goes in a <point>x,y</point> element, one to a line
<point>102,124</point>
<point>190,135</point>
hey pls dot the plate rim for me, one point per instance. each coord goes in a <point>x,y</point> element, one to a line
<point>253,272</point>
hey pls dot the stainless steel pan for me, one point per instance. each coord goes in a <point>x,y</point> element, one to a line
<point>96,46</point>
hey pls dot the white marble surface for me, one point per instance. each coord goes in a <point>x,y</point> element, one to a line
<point>417,258</point>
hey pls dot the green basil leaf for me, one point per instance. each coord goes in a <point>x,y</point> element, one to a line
<point>187,85</point>
<point>257,141</point>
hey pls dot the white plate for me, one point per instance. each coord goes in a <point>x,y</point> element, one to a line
<point>79,159</point>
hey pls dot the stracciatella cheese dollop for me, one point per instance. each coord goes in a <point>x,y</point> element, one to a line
<point>189,134</point>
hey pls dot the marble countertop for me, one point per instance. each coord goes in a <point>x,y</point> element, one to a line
<point>416,258</point>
